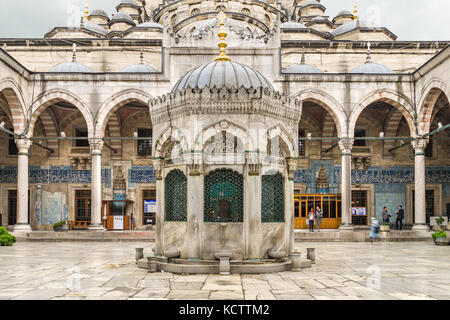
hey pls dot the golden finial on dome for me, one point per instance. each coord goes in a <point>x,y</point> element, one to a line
<point>86,11</point>
<point>221,16</point>
<point>355,11</point>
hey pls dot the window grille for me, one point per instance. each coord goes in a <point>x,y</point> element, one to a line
<point>272,200</point>
<point>224,196</point>
<point>176,189</point>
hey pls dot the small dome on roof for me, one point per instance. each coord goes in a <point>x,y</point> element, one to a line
<point>292,25</point>
<point>74,67</point>
<point>311,2</point>
<point>99,12</point>
<point>122,16</point>
<point>222,74</point>
<point>139,68</point>
<point>150,24</point>
<point>302,68</point>
<point>95,28</point>
<point>344,13</point>
<point>128,2</point>
<point>371,67</point>
<point>349,26</point>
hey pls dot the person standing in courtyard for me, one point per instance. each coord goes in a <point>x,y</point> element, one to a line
<point>385,215</point>
<point>400,216</point>
<point>319,216</point>
<point>311,219</point>
<point>374,229</point>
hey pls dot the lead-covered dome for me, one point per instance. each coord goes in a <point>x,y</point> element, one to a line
<point>222,74</point>
<point>74,67</point>
<point>371,67</point>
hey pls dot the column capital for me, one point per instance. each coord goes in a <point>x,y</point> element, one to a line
<point>346,145</point>
<point>96,146</point>
<point>419,146</point>
<point>23,145</point>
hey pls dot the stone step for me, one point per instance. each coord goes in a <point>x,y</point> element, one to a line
<point>107,236</point>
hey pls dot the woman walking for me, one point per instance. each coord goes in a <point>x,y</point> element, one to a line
<point>311,219</point>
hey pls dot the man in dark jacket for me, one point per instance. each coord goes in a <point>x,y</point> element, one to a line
<point>400,216</point>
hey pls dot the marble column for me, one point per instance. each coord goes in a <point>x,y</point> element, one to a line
<point>194,211</point>
<point>419,184</point>
<point>252,211</point>
<point>96,185</point>
<point>160,194</point>
<point>22,224</point>
<point>346,145</point>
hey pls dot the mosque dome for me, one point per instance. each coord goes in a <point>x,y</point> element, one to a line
<point>95,28</point>
<point>371,67</point>
<point>150,24</point>
<point>349,26</point>
<point>302,68</point>
<point>99,13</point>
<point>74,67</point>
<point>344,13</point>
<point>222,74</point>
<point>292,25</point>
<point>122,16</point>
<point>139,68</point>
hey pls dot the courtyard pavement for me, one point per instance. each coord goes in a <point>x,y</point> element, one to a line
<point>79,270</point>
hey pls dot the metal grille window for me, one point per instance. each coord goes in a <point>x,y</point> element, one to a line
<point>145,146</point>
<point>224,196</point>
<point>83,205</point>
<point>301,143</point>
<point>12,207</point>
<point>272,200</point>
<point>176,189</point>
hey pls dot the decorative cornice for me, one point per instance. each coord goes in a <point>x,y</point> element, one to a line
<point>224,101</point>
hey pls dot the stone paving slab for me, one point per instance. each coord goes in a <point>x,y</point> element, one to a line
<point>107,271</point>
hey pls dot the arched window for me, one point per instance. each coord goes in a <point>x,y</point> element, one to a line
<point>245,11</point>
<point>176,189</point>
<point>195,12</point>
<point>224,196</point>
<point>272,199</point>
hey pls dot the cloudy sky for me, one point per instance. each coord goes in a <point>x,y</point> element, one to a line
<point>408,19</point>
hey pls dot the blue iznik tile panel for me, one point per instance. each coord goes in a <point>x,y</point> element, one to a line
<point>120,196</point>
<point>54,175</point>
<point>141,175</point>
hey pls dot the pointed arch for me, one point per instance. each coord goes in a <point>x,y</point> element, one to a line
<point>400,102</point>
<point>114,103</point>
<point>242,134</point>
<point>170,134</point>
<point>329,104</point>
<point>430,95</point>
<point>50,129</point>
<point>16,103</point>
<point>51,97</point>
<point>279,131</point>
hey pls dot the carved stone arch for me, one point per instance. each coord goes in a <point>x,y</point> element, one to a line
<point>391,129</point>
<point>114,130</point>
<point>169,136</point>
<point>51,97</point>
<point>329,104</point>
<point>50,128</point>
<point>390,97</point>
<point>285,139</point>
<point>242,134</point>
<point>427,102</point>
<point>114,103</point>
<point>16,104</point>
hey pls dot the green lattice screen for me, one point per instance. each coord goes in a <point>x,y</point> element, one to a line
<point>272,200</point>
<point>176,189</point>
<point>224,196</point>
